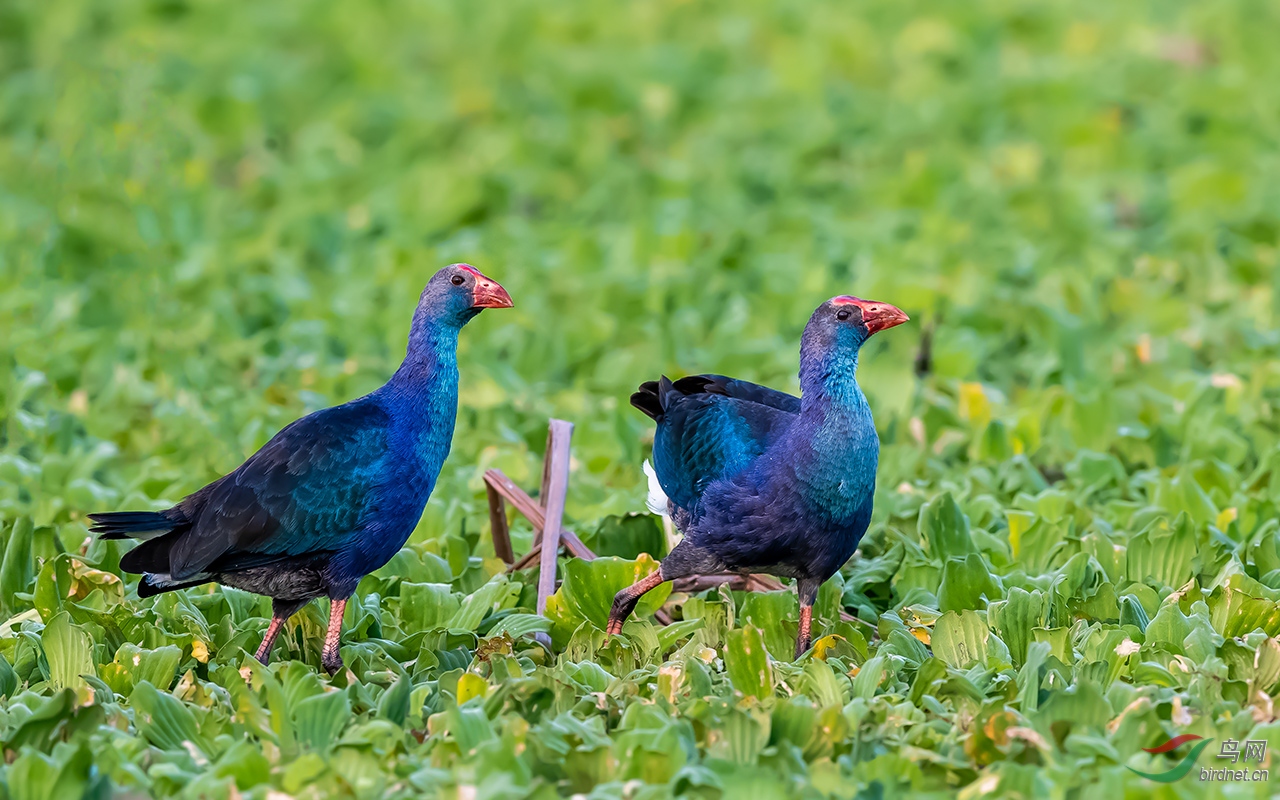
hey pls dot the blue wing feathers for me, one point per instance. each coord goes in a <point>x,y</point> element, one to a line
<point>710,427</point>
<point>305,491</point>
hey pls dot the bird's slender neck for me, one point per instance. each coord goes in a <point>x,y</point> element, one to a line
<point>828,383</point>
<point>838,435</point>
<point>430,366</point>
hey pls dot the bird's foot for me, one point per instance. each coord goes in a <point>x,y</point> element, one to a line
<point>614,628</point>
<point>331,661</point>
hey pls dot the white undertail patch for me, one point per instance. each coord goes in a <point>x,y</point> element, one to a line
<point>658,503</point>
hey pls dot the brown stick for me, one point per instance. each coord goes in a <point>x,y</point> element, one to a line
<point>545,489</point>
<point>498,526</point>
<point>533,512</point>
<point>557,488</point>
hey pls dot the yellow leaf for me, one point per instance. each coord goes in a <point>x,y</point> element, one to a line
<point>471,685</point>
<point>1227,517</point>
<point>824,645</point>
<point>1019,523</point>
<point>1143,348</point>
<point>974,405</point>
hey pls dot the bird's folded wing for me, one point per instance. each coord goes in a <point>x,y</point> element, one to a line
<point>304,491</point>
<point>713,427</point>
<point>739,390</point>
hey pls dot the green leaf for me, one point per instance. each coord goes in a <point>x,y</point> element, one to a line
<point>1077,706</point>
<point>821,684</point>
<point>427,606</point>
<point>133,664</point>
<point>1015,617</point>
<point>497,594</point>
<point>1029,676</point>
<point>868,679</point>
<point>468,726</point>
<point>777,615</point>
<point>741,740</point>
<point>1169,629</point>
<point>1266,665</point>
<point>668,635</point>
<point>589,587</point>
<point>945,529</point>
<point>394,703</point>
<point>1059,641</point>
<point>960,639</point>
<point>518,625</point>
<point>319,719</point>
<point>53,585</point>
<point>967,584</point>
<point>17,569</point>
<point>69,650</point>
<point>1132,613</point>
<point>68,774</point>
<point>8,678</point>
<point>163,720</point>
<point>717,616</point>
<point>1163,553</point>
<point>747,664</point>
<point>628,536</point>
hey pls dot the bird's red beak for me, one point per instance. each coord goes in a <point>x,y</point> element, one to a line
<point>876,316</point>
<point>489,294</point>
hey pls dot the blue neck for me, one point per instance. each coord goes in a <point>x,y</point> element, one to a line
<point>836,443</point>
<point>828,383</point>
<point>422,396</point>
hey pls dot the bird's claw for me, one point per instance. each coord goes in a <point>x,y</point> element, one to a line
<point>331,661</point>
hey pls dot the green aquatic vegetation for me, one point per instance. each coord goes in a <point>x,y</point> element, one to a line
<point>216,217</point>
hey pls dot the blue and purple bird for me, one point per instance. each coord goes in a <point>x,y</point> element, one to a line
<point>334,495</point>
<point>761,481</point>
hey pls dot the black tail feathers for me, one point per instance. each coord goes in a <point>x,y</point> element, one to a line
<point>150,585</point>
<point>654,396</point>
<point>131,524</point>
<point>648,399</point>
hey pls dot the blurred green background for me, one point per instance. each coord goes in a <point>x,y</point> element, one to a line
<point>217,216</point>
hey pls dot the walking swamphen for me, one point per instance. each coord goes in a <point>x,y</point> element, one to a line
<point>334,495</point>
<point>761,481</point>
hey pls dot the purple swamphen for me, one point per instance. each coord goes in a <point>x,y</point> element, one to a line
<point>334,495</point>
<point>758,480</point>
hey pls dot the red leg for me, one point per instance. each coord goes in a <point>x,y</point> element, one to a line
<point>329,658</point>
<point>624,602</point>
<point>807,589</point>
<point>806,623</point>
<point>281,610</point>
<point>269,639</point>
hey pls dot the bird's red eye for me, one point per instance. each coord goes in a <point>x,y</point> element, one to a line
<point>842,314</point>
<point>458,280</point>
